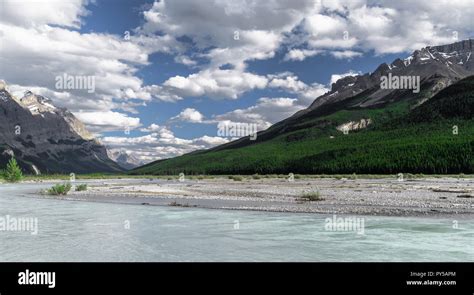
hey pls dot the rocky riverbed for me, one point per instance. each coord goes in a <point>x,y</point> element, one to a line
<point>389,197</point>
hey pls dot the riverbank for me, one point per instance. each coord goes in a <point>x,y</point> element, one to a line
<point>441,196</point>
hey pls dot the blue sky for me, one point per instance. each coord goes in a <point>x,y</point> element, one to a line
<point>126,15</point>
<point>183,71</point>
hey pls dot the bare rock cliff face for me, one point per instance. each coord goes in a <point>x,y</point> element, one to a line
<point>436,66</point>
<point>354,125</point>
<point>47,139</point>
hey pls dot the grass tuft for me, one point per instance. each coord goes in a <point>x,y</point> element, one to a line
<point>81,187</point>
<point>312,196</point>
<point>60,189</point>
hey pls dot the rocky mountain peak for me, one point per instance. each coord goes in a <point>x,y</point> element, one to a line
<point>36,104</point>
<point>45,138</point>
<point>343,83</point>
<point>39,105</point>
<point>124,159</point>
<point>456,56</point>
<point>381,70</point>
<point>436,66</point>
<point>465,45</point>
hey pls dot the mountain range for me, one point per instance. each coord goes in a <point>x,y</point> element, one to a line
<point>124,159</point>
<point>356,127</point>
<point>47,139</point>
<point>361,127</point>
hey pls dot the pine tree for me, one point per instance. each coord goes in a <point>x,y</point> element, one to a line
<point>13,172</point>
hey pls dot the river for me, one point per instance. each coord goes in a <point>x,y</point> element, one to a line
<point>88,231</point>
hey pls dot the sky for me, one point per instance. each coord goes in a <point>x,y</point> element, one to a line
<point>168,72</point>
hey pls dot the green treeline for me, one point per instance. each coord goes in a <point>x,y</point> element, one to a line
<point>434,138</point>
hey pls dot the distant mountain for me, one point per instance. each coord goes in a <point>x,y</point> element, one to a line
<point>47,139</point>
<point>356,98</point>
<point>124,159</point>
<point>390,130</point>
<point>437,67</point>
